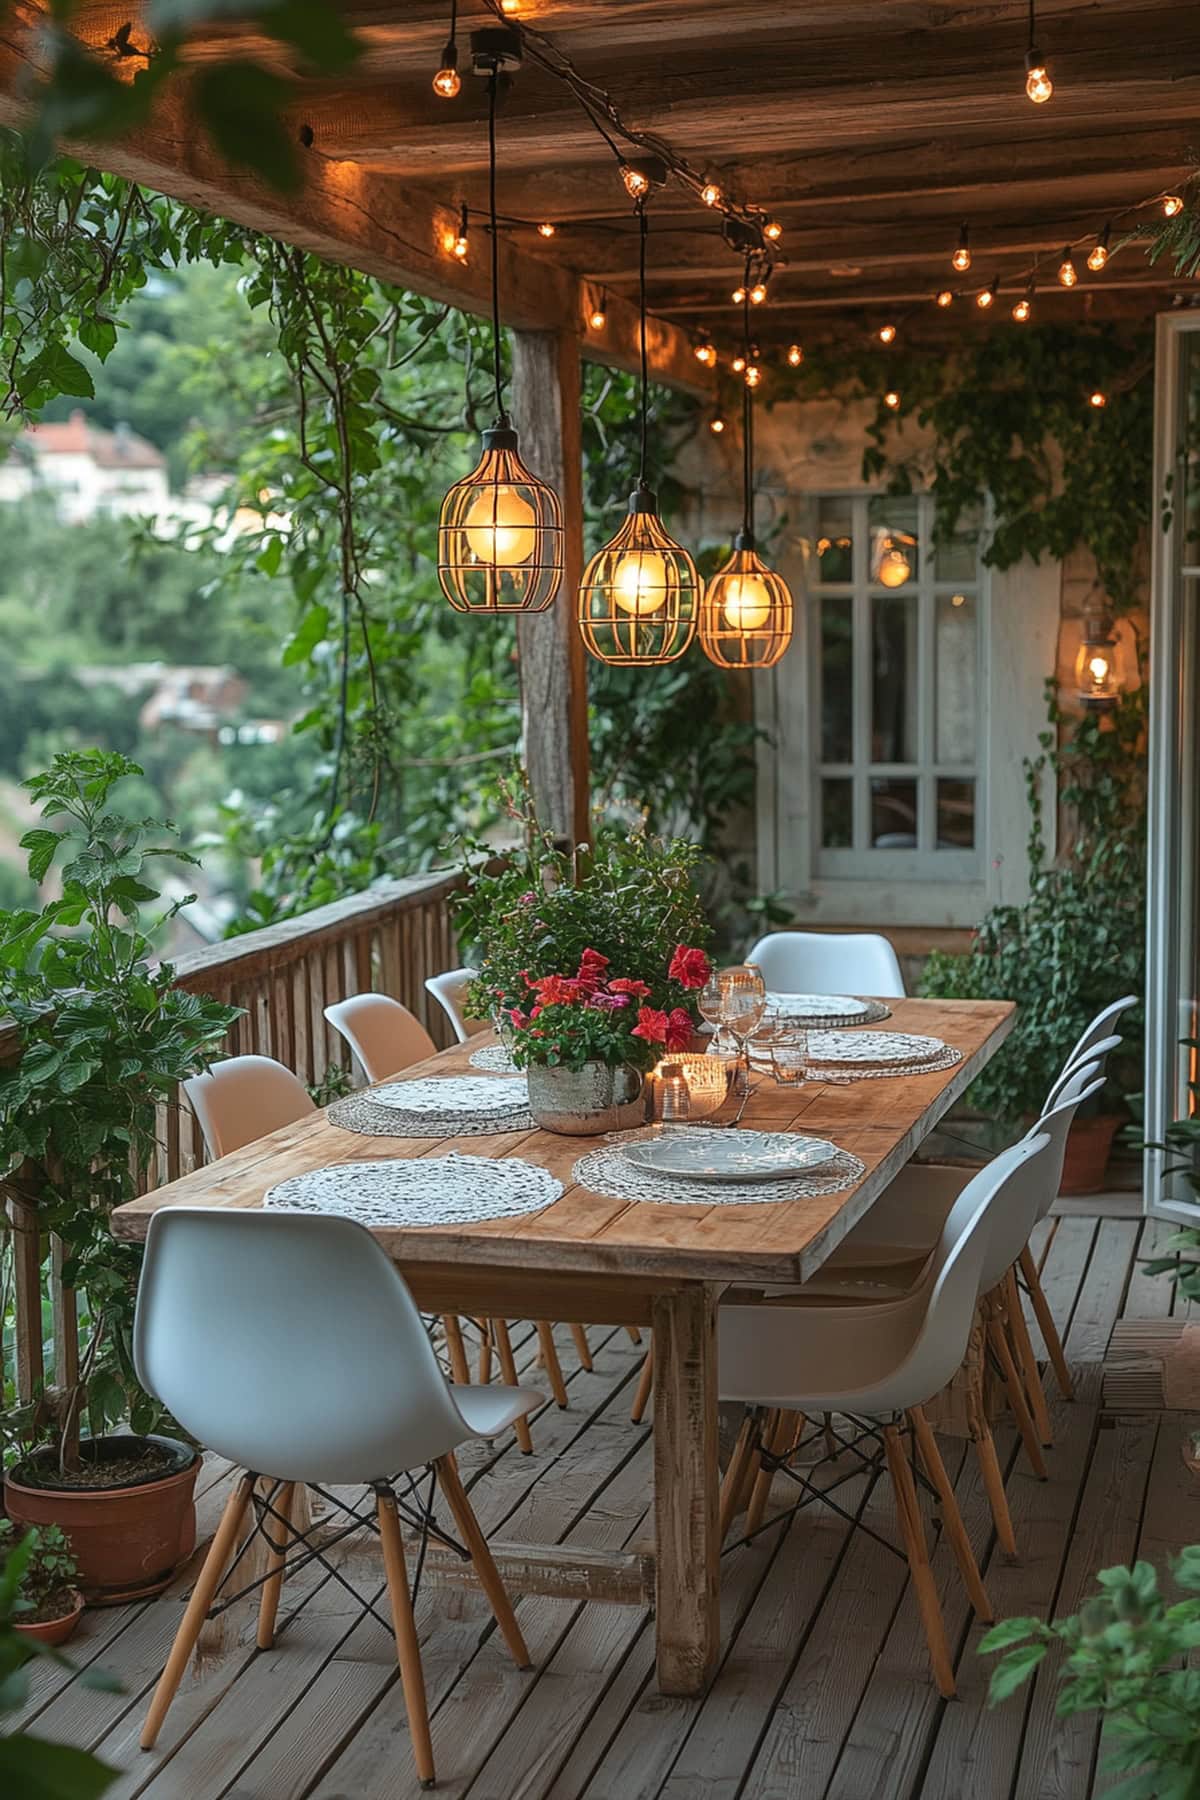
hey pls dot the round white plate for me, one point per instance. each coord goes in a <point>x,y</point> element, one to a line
<point>878,1048</point>
<point>453,1094</point>
<point>696,1154</point>
<point>815,1006</point>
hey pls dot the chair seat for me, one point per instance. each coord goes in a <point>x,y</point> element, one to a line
<point>810,1358</point>
<point>905,1222</point>
<point>487,1411</point>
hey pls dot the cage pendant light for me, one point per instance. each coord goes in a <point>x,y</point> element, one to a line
<point>500,533</point>
<point>639,594</point>
<point>746,612</point>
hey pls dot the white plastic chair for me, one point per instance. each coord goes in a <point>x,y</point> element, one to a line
<point>828,962</point>
<point>1101,1026</point>
<point>384,1036</point>
<point>450,992</point>
<point>1097,1053</point>
<point>877,1365</point>
<point>262,1333</point>
<point>244,1098</point>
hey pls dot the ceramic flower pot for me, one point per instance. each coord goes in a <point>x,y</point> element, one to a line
<point>54,1631</point>
<point>584,1102</point>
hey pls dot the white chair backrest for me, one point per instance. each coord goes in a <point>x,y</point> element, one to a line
<point>450,992</point>
<point>1081,1084</point>
<point>383,1035</point>
<point>828,962</point>
<point>1101,1026</point>
<point>289,1343</point>
<point>1096,1054</point>
<point>244,1098</point>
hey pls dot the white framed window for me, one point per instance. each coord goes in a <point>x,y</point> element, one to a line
<point>897,634</point>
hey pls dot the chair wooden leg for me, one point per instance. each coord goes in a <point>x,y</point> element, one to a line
<point>268,1605</point>
<point>208,1581</point>
<point>731,1487</point>
<point>554,1374</point>
<point>912,1530</point>
<point>1026,1361</point>
<point>408,1651</point>
<point>456,1350</point>
<point>998,1339</point>
<point>645,1383</point>
<point>508,1369</point>
<point>481,1557</point>
<point>579,1334</point>
<point>485,1349</point>
<point>993,1483</point>
<point>952,1519</point>
<point>635,1336</point>
<point>773,1443</point>
<point>1046,1325</point>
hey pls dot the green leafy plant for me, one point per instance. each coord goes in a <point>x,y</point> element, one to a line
<point>1125,1657</point>
<point>50,1572</point>
<point>1181,1264</point>
<point>104,1037</point>
<point>32,1767</point>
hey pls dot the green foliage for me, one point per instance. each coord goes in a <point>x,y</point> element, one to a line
<point>1182,1144</point>
<point>1079,939</point>
<point>104,1038</point>
<point>1126,1655</point>
<point>50,1569</point>
<point>1177,239</point>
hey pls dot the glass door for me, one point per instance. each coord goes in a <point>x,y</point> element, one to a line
<point>1173,915</point>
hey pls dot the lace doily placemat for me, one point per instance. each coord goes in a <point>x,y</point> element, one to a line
<point>495,1059</point>
<point>436,1106</point>
<point>779,1012</point>
<point>841,1076</point>
<point>608,1172</point>
<point>426,1190</point>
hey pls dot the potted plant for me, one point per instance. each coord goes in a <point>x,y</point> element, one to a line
<point>48,1604</point>
<point>590,963</point>
<point>1126,1657</point>
<point>104,1039</point>
<point>1181,1263</point>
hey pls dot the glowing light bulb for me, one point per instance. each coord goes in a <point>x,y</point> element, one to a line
<point>705,353</point>
<point>546,229</point>
<point>710,193</point>
<point>987,296</point>
<point>753,375</point>
<point>758,293</point>
<point>461,246</point>
<point>1098,254</point>
<point>746,602</point>
<point>1098,668</point>
<point>961,260</point>
<point>597,318</point>
<point>738,363</point>
<point>1068,274</point>
<point>891,400</point>
<point>501,527</point>
<point>1038,84</point>
<point>773,230</point>
<point>795,355</point>
<point>894,567</point>
<point>637,185</point>
<point>1022,309</point>
<point>944,297</point>
<point>887,334</point>
<point>446,82</point>
<point>738,295</point>
<point>510,6</point>
<point>1171,205</point>
<point>640,582</point>
<point>716,425</point>
<point>1098,398</point>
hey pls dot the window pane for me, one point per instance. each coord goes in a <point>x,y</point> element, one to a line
<point>837,813</point>
<point>893,814</point>
<point>954,653</point>
<point>837,681</point>
<point>956,815</point>
<point>894,676</point>
<point>956,556</point>
<point>894,550</point>
<point>835,549</point>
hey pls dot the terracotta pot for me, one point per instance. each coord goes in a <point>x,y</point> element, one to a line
<point>1089,1146</point>
<point>54,1631</point>
<point>127,1541</point>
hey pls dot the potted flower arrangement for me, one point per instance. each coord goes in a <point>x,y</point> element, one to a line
<point>48,1605</point>
<point>104,1037</point>
<point>590,963</point>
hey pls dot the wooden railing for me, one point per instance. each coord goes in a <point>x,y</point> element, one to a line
<point>388,938</point>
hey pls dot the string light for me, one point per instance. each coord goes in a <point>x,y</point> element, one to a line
<point>754,374</point>
<point>710,193</point>
<point>637,184</point>
<point>705,352</point>
<point>716,424</point>
<point>738,295</point>
<point>758,293</point>
<point>986,297</point>
<point>1023,309</point>
<point>772,231</point>
<point>1068,274</point>
<point>446,82</point>
<point>639,177</point>
<point>1098,399</point>
<point>461,245</point>
<point>546,229</point>
<point>892,400</point>
<point>944,297</point>
<point>510,6</point>
<point>961,260</point>
<point>598,317</point>
<point>887,334</point>
<point>738,363</point>
<point>1098,254</point>
<point>795,355</point>
<point>1171,205</point>
<point>1038,84</point>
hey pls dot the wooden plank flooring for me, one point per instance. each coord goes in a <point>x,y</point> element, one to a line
<point>823,1687</point>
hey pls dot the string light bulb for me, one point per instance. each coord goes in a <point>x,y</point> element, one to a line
<point>1172,204</point>
<point>737,363</point>
<point>738,295</point>
<point>598,317</point>
<point>716,424</point>
<point>461,245</point>
<point>546,229</point>
<point>986,297</point>
<point>1038,84</point>
<point>1022,311</point>
<point>1068,274</point>
<point>705,352</point>
<point>510,6</point>
<point>754,374</point>
<point>773,231</point>
<point>795,355</point>
<point>710,193</point>
<point>892,400</point>
<point>637,184</point>
<point>758,293</point>
<point>893,568</point>
<point>887,334</point>
<point>447,82</point>
<point>944,297</point>
<point>1098,399</point>
<point>1098,254</point>
<point>961,260</point>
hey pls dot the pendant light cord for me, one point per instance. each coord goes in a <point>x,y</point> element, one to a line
<point>747,418</point>
<point>642,229</point>
<point>1032,24</point>
<point>493,82</point>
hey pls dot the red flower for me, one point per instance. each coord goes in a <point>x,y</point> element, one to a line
<point>638,989</point>
<point>518,1018</point>
<point>679,1029</point>
<point>558,990</point>
<point>590,973</point>
<point>652,1025</point>
<point>690,968</point>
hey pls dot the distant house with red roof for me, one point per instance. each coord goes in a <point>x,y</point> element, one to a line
<point>87,470</point>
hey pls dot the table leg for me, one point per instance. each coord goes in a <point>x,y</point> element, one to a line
<point>686,1489</point>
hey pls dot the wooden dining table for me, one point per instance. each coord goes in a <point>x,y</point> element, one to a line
<point>588,1258</point>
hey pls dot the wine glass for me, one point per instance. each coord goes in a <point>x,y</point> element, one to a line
<point>743,1000</point>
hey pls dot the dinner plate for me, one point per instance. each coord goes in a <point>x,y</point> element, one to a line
<point>696,1154</point>
<point>877,1048</point>
<point>815,1006</point>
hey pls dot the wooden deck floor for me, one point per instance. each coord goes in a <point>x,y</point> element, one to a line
<point>823,1689</point>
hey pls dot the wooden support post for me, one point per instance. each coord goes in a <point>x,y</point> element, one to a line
<point>547,413</point>
<point>688,1543</point>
